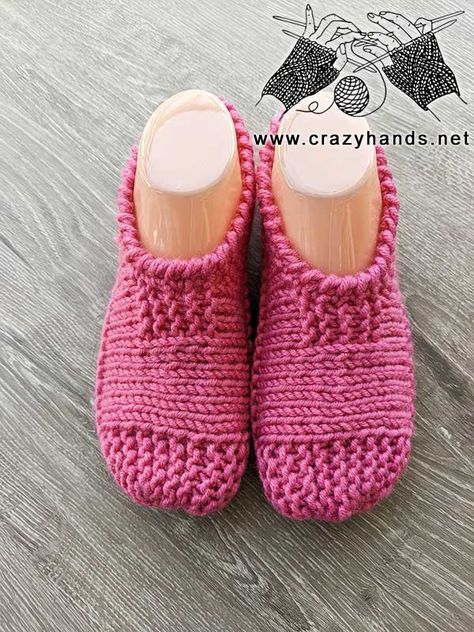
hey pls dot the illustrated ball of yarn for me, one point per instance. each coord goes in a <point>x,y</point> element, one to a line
<point>351,95</point>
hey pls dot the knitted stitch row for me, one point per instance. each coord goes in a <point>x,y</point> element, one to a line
<point>172,395</point>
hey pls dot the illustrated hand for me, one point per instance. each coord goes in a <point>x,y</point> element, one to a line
<point>316,59</point>
<point>398,30</point>
<point>332,32</point>
<point>438,24</point>
<point>371,51</point>
<point>424,25</point>
<point>415,64</point>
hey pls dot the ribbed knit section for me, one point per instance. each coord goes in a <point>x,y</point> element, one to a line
<point>333,386</point>
<point>172,396</point>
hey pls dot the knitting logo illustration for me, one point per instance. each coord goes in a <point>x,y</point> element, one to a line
<point>354,65</point>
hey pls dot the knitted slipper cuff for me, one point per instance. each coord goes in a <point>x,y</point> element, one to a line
<point>235,240</point>
<point>283,252</point>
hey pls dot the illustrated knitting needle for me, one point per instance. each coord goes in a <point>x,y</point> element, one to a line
<point>291,34</point>
<point>385,55</point>
<point>425,25</point>
<point>296,36</point>
<point>289,20</point>
<point>280,18</point>
<point>447,16</point>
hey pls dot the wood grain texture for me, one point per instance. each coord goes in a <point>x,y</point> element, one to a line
<point>78,80</point>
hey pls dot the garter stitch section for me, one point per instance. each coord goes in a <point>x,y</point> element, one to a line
<point>332,385</point>
<point>172,394</point>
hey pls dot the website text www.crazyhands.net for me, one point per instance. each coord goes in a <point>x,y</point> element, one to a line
<point>358,140</point>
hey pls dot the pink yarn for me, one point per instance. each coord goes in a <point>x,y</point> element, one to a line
<point>333,386</point>
<point>172,395</point>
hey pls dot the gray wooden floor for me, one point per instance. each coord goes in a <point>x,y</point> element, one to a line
<point>78,80</point>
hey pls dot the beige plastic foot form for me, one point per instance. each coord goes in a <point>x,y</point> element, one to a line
<point>329,196</point>
<point>188,182</point>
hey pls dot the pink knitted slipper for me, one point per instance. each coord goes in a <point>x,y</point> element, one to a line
<point>172,395</point>
<point>333,386</point>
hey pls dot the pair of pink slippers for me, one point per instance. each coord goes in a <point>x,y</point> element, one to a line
<point>329,390</point>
